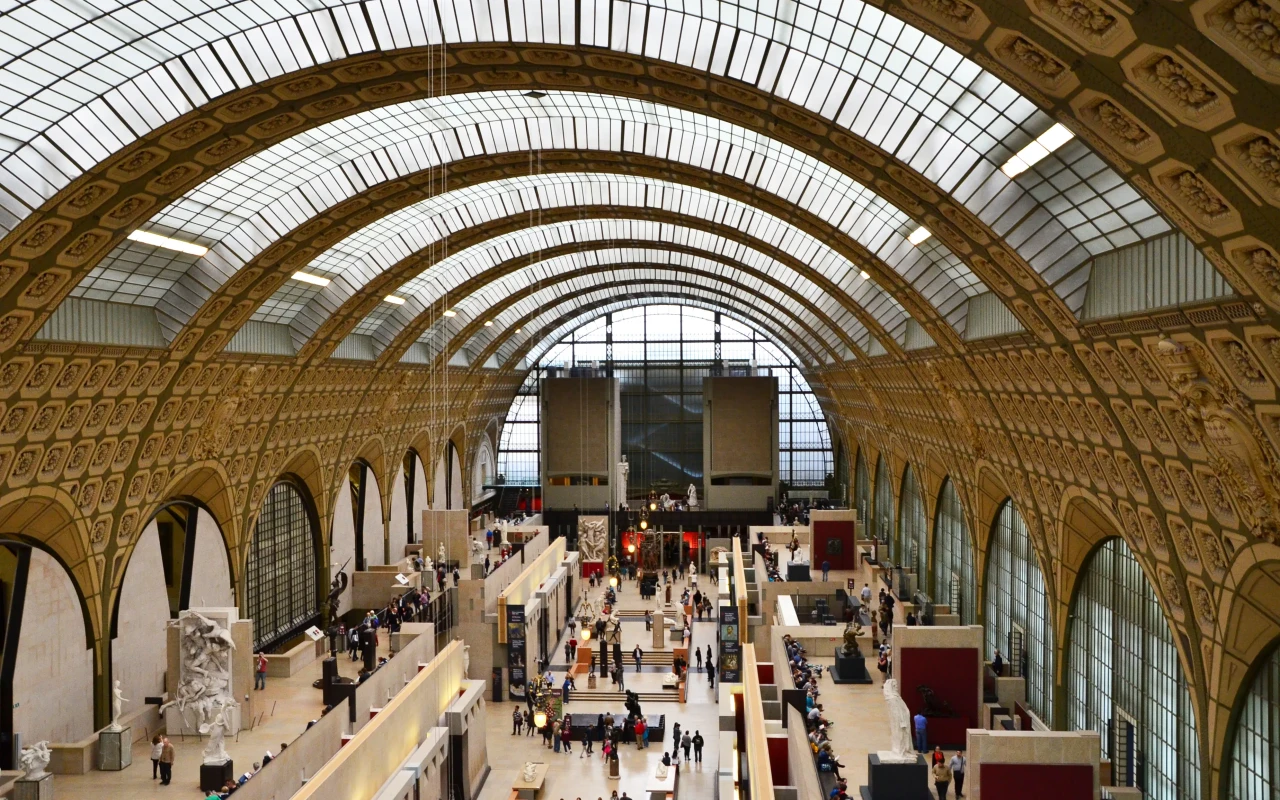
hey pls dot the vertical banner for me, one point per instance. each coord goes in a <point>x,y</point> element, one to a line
<point>730,668</point>
<point>518,679</point>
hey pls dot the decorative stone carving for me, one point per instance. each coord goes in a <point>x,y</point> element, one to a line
<point>1202,601</point>
<point>1222,419</point>
<point>216,431</point>
<point>1247,29</point>
<point>215,750</point>
<point>1203,204</point>
<point>34,759</point>
<point>1177,87</point>
<point>1254,155</point>
<point>1092,25</point>
<point>593,538</point>
<point>1259,264</point>
<point>204,683</point>
<point>1171,590</point>
<point>1032,62</point>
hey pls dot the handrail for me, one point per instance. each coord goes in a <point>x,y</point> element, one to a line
<point>759,771</point>
<point>740,590</point>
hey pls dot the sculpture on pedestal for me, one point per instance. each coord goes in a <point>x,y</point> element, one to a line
<point>441,554</point>
<point>851,633</point>
<point>901,747</point>
<point>34,759</point>
<point>117,702</point>
<point>693,496</point>
<point>466,660</point>
<point>593,538</point>
<point>530,770</point>
<point>336,587</point>
<point>215,751</point>
<point>624,471</point>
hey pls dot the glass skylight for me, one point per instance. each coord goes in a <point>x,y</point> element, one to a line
<point>81,82</point>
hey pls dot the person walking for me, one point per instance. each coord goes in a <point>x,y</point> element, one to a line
<point>826,570</point>
<point>573,648</point>
<point>697,655</point>
<point>958,763</point>
<point>921,726</point>
<point>708,654</point>
<point>568,684</point>
<point>675,738</point>
<point>648,621</point>
<point>686,743</point>
<point>638,655</point>
<point>566,737</point>
<point>941,779</point>
<point>711,672</point>
<point>517,722</point>
<point>528,723</point>
<point>157,748</point>
<point>698,741</point>
<point>166,761</point>
<point>568,653</point>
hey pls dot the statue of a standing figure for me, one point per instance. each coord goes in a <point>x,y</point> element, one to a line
<point>441,552</point>
<point>336,587</point>
<point>117,703</point>
<point>693,496</point>
<point>215,752</point>
<point>902,749</point>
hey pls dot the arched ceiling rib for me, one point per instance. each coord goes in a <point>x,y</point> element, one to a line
<point>237,211</point>
<point>595,241</point>
<point>507,301</point>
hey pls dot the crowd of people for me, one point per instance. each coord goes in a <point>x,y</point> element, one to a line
<point>806,676</point>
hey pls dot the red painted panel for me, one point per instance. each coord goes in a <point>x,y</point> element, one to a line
<point>833,543</point>
<point>778,763</point>
<point>590,568</point>
<point>952,674</point>
<point>765,672</point>
<point>1044,781</point>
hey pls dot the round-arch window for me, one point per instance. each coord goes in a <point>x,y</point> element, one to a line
<point>281,593</point>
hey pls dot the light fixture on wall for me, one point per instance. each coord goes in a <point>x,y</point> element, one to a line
<point>631,548</point>
<point>644,522</point>
<point>653,506</point>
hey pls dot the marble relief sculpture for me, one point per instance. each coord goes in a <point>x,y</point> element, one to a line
<point>204,688</point>
<point>593,539</point>
<point>902,749</point>
<point>34,760</point>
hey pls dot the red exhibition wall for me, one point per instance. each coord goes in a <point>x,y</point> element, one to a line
<point>833,543</point>
<point>1045,781</point>
<point>952,674</point>
<point>590,568</point>
<point>779,763</point>
<point>765,672</point>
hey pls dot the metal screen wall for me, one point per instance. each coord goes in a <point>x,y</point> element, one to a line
<point>913,529</point>
<point>953,554</point>
<point>1015,595</point>
<point>281,595</point>
<point>882,524</point>
<point>1254,772</point>
<point>1120,653</point>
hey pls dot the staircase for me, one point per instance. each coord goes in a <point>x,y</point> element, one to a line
<point>610,695</point>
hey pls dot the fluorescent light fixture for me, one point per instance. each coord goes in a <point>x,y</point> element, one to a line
<point>517,330</point>
<point>314,280</point>
<point>393,300</point>
<point>488,323</point>
<point>919,235</point>
<point>451,313</point>
<point>157,240</point>
<point>866,276</point>
<point>1044,144</point>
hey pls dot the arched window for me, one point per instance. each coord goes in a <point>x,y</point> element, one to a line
<point>281,586</point>
<point>1123,670</point>
<point>1017,604</point>
<point>861,488</point>
<point>953,556</point>
<point>1254,771</point>
<point>882,524</point>
<point>913,531</point>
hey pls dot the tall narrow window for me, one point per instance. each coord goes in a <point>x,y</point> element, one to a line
<point>861,488</point>
<point>953,577</point>
<point>913,532</point>
<point>1122,663</point>
<point>882,524</point>
<point>281,592</point>
<point>1016,601</point>
<point>1254,772</point>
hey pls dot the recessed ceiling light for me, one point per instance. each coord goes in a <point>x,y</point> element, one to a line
<point>451,313</point>
<point>393,300</point>
<point>1044,144</point>
<point>919,235</point>
<point>517,330</point>
<point>864,275</point>
<point>314,280</point>
<point>488,323</point>
<point>157,240</point>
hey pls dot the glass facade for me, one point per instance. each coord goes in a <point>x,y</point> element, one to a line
<point>1016,599</point>
<point>281,593</point>
<point>882,522</point>
<point>1254,770</point>
<point>913,531</point>
<point>861,487</point>
<point>1121,660</point>
<point>953,573</point>
<point>660,355</point>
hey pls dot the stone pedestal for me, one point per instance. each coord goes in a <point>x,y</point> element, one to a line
<point>659,631</point>
<point>40,789</point>
<point>613,769</point>
<point>850,669</point>
<point>896,780</point>
<point>215,776</point>
<point>591,680</point>
<point>115,749</point>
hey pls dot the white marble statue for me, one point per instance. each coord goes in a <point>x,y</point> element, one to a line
<point>205,683</point>
<point>670,679</point>
<point>593,538</point>
<point>902,749</point>
<point>215,751</point>
<point>530,770</point>
<point>476,547</point>
<point>440,551</point>
<point>117,703</point>
<point>693,496</point>
<point>34,759</point>
<point>624,471</point>
<point>661,772</point>
<point>466,660</point>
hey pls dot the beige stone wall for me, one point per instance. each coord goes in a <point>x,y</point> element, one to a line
<point>740,425</point>
<point>577,424</point>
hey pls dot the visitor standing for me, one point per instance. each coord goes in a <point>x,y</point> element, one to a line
<point>166,761</point>
<point>686,743</point>
<point>711,672</point>
<point>921,726</point>
<point>566,736</point>
<point>648,621</point>
<point>941,779</point>
<point>260,672</point>
<point>958,763</point>
<point>157,749</point>
<point>638,655</point>
<point>698,741</point>
<point>826,570</point>
<point>517,721</point>
<point>697,654</point>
